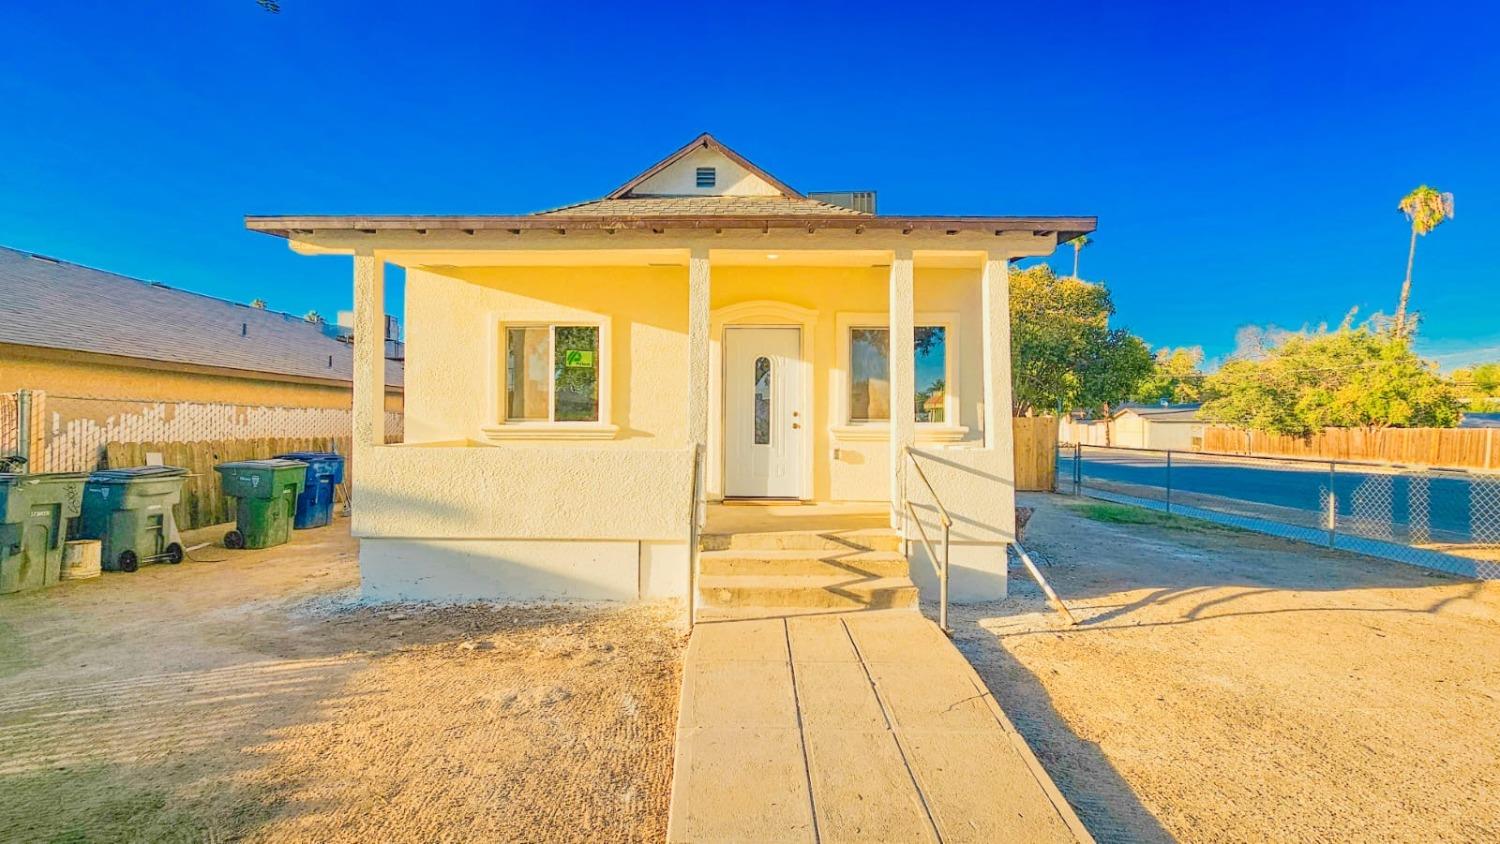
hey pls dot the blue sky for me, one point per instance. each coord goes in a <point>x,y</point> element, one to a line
<point>1244,161</point>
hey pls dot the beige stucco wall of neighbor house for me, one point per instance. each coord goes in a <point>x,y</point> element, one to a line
<point>1177,436</point>
<point>63,372</point>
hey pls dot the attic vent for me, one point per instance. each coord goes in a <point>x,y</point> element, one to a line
<point>707,177</point>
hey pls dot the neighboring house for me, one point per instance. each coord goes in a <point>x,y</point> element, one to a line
<point>111,352</point>
<point>1480,420</point>
<point>1172,426</point>
<point>564,368</point>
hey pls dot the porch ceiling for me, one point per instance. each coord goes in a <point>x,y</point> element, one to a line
<point>673,258</point>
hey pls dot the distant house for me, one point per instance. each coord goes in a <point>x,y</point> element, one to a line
<point>1170,426</point>
<point>1480,420</point>
<point>117,357</point>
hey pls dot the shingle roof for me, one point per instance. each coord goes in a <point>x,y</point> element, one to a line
<point>1158,413</point>
<point>53,304</point>
<point>703,206</point>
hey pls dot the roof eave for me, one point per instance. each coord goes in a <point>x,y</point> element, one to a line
<point>1065,228</point>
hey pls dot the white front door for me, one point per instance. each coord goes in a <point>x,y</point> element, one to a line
<point>764,420</point>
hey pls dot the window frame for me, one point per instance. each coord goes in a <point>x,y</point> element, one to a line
<point>847,428</point>
<point>500,426</point>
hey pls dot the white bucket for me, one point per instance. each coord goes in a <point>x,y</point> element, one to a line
<point>80,560</point>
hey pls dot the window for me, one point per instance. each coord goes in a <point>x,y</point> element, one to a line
<point>552,373</point>
<point>707,177</point>
<point>870,380</point>
<point>762,401</point>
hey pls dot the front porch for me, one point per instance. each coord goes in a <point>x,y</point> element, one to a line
<point>799,375</point>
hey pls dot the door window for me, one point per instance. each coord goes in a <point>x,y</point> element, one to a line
<point>762,402</point>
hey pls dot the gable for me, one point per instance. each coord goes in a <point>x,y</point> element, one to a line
<point>680,178</point>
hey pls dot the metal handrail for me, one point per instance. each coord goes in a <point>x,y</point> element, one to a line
<point>693,539</point>
<point>910,513</point>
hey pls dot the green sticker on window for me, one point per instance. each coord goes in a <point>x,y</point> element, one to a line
<point>578,358</point>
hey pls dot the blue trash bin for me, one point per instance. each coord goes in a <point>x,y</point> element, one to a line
<point>325,470</point>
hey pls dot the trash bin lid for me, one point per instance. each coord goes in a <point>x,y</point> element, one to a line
<point>135,473</point>
<point>311,456</point>
<point>53,477</point>
<point>9,478</point>
<point>271,463</point>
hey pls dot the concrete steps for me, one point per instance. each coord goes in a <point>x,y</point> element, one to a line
<point>865,539</point>
<point>845,563</point>
<point>747,575</point>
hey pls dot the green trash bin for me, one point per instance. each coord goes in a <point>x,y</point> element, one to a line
<point>130,512</point>
<point>267,493</point>
<point>34,515</point>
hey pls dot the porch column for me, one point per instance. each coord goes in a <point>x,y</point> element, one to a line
<point>902,373</point>
<point>369,350</point>
<point>698,342</point>
<point>995,304</point>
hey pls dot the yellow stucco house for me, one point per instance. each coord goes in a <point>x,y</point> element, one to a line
<point>566,371</point>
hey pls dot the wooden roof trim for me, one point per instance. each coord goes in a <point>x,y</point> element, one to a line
<point>703,141</point>
<point>1065,227</point>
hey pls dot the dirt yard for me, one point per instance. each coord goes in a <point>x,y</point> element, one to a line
<point>1227,686</point>
<point>255,699</point>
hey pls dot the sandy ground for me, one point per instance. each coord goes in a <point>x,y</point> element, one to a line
<point>1227,686</point>
<point>254,699</point>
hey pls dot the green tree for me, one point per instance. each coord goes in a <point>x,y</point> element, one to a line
<point>1078,243</point>
<point>1064,354</point>
<point>313,317</point>
<point>1346,378</point>
<point>1176,376</point>
<point>1426,209</point>
<point>1479,387</point>
<point>258,304</point>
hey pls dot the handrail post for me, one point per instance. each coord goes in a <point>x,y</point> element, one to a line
<point>943,585</point>
<point>693,541</point>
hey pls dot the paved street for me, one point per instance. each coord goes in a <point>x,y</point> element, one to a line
<point>1299,486</point>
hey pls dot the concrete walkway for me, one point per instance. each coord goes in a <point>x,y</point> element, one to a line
<point>859,726</point>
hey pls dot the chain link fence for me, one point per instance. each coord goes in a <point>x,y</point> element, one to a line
<point>69,433</point>
<point>1447,520</point>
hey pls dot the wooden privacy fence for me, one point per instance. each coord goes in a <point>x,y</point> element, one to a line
<point>203,502</point>
<point>1463,448</point>
<point>1036,452</point>
<point>12,426</point>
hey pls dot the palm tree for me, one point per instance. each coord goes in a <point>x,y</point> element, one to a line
<point>1078,243</point>
<point>1426,209</point>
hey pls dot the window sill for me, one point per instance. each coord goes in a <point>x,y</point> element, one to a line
<point>878,431</point>
<point>550,431</point>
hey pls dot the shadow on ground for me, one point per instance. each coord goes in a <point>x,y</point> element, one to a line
<point>1224,685</point>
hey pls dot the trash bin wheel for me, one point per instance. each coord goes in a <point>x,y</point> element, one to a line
<point>234,539</point>
<point>174,554</point>
<point>128,561</point>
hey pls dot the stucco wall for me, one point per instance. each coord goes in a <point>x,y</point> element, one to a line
<point>453,394</point>
<point>524,492</point>
<point>72,374</point>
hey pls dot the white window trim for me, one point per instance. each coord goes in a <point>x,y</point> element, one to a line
<point>849,430</point>
<point>499,427</point>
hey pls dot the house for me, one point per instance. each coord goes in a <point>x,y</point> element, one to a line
<point>109,352</point>
<point>1480,420</point>
<point>1166,426</point>
<point>568,370</point>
